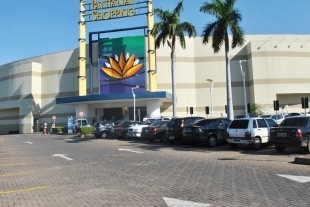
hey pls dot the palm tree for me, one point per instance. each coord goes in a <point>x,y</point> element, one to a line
<point>255,108</point>
<point>171,28</point>
<point>227,17</point>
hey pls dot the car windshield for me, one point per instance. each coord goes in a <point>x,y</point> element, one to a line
<point>83,121</point>
<point>239,124</point>
<point>296,121</point>
<point>149,121</point>
<point>271,122</point>
<point>156,123</point>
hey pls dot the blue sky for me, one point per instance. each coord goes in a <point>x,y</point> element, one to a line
<point>36,27</point>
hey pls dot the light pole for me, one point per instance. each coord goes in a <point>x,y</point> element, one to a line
<point>211,100</point>
<point>243,78</point>
<point>134,102</point>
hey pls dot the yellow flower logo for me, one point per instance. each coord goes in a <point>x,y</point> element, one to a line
<point>122,67</point>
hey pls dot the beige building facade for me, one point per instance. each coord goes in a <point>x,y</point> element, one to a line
<point>277,68</point>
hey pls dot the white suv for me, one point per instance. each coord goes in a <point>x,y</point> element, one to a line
<point>251,131</point>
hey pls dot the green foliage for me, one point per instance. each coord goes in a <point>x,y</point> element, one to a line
<point>86,130</point>
<point>57,129</point>
<point>170,27</point>
<point>256,109</point>
<point>227,17</point>
<point>65,129</point>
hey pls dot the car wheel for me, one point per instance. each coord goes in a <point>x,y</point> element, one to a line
<point>212,141</point>
<point>151,140</point>
<point>280,149</point>
<point>256,143</point>
<point>308,147</point>
<point>163,138</point>
<point>103,135</point>
<point>233,146</point>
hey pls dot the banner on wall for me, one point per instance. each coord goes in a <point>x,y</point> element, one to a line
<point>121,64</point>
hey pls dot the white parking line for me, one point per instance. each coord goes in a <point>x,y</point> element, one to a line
<point>129,150</point>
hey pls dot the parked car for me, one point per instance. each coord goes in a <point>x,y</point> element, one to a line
<point>155,131</point>
<point>276,117</point>
<point>103,129</point>
<point>122,128</point>
<point>175,127</point>
<point>135,131</point>
<point>293,114</point>
<point>77,124</point>
<point>210,131</point>
<point>250,131</point>
<point>292,132</point>
<point>243,116</point>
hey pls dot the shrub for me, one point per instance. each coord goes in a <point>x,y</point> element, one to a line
<point>86,130</point>
<point>57,129</point>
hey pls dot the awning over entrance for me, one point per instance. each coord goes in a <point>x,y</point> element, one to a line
<point>163,96</point>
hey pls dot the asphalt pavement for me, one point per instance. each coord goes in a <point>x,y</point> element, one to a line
<point>67,170</point>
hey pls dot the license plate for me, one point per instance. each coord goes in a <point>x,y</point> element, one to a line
<point>171,137</point>
<point>236,140</point>
<point>281,134</point>
<point>146,130</point>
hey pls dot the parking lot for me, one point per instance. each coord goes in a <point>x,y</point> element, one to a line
<point>67,170</point>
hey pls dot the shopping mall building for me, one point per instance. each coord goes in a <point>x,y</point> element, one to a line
<point>38,88</point>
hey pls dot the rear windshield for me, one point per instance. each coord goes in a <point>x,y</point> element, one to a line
<point>174,122</point>
<point>300,122</point>
<point>239,124</point>
<point>156,123</point>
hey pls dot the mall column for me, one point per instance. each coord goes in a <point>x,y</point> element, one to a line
<point>151,49</point>
<point>82,51</point>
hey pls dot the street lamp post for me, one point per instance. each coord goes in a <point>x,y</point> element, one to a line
<point>134,102</point>
<point>244,93</point>
<point>211,100</point>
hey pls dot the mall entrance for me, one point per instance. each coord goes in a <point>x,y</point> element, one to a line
<point>121,113</point>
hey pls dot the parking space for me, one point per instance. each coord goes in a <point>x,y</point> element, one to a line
<point>66,170</point>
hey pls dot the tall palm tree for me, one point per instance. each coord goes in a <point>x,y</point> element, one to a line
<point>170,27</point>
<point>227,17</point>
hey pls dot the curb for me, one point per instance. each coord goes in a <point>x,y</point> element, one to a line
<point>302,160</point>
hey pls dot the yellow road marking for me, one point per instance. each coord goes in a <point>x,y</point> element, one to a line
<point>25,189</point>
<point>6,175</point>
<point>12,164</point>
<point>7,158</point>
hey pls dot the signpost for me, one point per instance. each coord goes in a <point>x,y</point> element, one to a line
<point>54,118</point>
<point>81,114</point>
<point>37,125</point>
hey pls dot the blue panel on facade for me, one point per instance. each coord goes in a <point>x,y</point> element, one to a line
<point>114,97</point>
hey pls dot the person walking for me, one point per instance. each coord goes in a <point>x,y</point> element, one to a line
<point>44,127</point>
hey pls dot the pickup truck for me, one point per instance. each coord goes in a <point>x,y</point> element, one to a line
<point>77,124</point>
<point>292,132</point>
